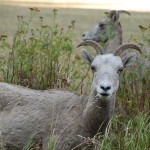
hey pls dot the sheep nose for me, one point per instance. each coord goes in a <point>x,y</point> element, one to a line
<point>83,34</point>
<point>105,88</point>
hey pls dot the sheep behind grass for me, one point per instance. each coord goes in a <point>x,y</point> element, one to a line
<point>108,31</point>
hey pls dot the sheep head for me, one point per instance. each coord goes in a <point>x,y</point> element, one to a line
<point>106,68</point>
<point>106,28</point>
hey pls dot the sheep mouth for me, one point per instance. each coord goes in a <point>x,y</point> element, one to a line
<point>93,39</point>
<point>96,40</point>
<point>104,94</point>
<point>87,39</point>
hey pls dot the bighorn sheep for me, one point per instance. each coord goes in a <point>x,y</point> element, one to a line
<point>108,31</point>
<point>60,114</point>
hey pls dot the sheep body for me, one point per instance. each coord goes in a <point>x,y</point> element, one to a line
<point>43,112</point>
<point>62,115</point>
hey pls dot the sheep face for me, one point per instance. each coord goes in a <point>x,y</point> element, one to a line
<point>106,74</point>
<point>106,69</point>
<point>106,29</point>
<point>102,32</point>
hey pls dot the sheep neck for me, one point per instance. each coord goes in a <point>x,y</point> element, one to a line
<point>113,43</point>
<point>97,114</point>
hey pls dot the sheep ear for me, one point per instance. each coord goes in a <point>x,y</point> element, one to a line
<point>87,57</point>
<point>129,59</point>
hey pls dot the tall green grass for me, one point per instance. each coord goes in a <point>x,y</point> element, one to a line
<point>41,54</point>
<point>127,133</point>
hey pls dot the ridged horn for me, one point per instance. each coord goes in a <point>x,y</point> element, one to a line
<point>94,44</point>
<point>109,14</point>
<point>117,12</point>
<point>124,47</point>
<point>114,12</point>
<point>125,12</point>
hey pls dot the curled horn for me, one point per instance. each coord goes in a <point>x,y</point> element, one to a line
<point>124,47</point>
<point>123,11</point>
<point>94,44</point>
<point>111,13</point>
<point>114,12</point>
<point>117,12</point>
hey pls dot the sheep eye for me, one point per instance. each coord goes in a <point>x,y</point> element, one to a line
<point>101,25</point>
<point>120,69</point>
<point>93,68</point>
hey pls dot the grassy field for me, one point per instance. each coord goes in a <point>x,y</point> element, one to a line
<point>85,19</point>
<point>129,129</point>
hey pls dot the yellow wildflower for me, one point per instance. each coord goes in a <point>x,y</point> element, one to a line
<point>34,9</point>
<point>3,36</point>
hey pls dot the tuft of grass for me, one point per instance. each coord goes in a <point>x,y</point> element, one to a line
<point>41,54</point>
<point>127,133</point>
<point>51,144</point>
